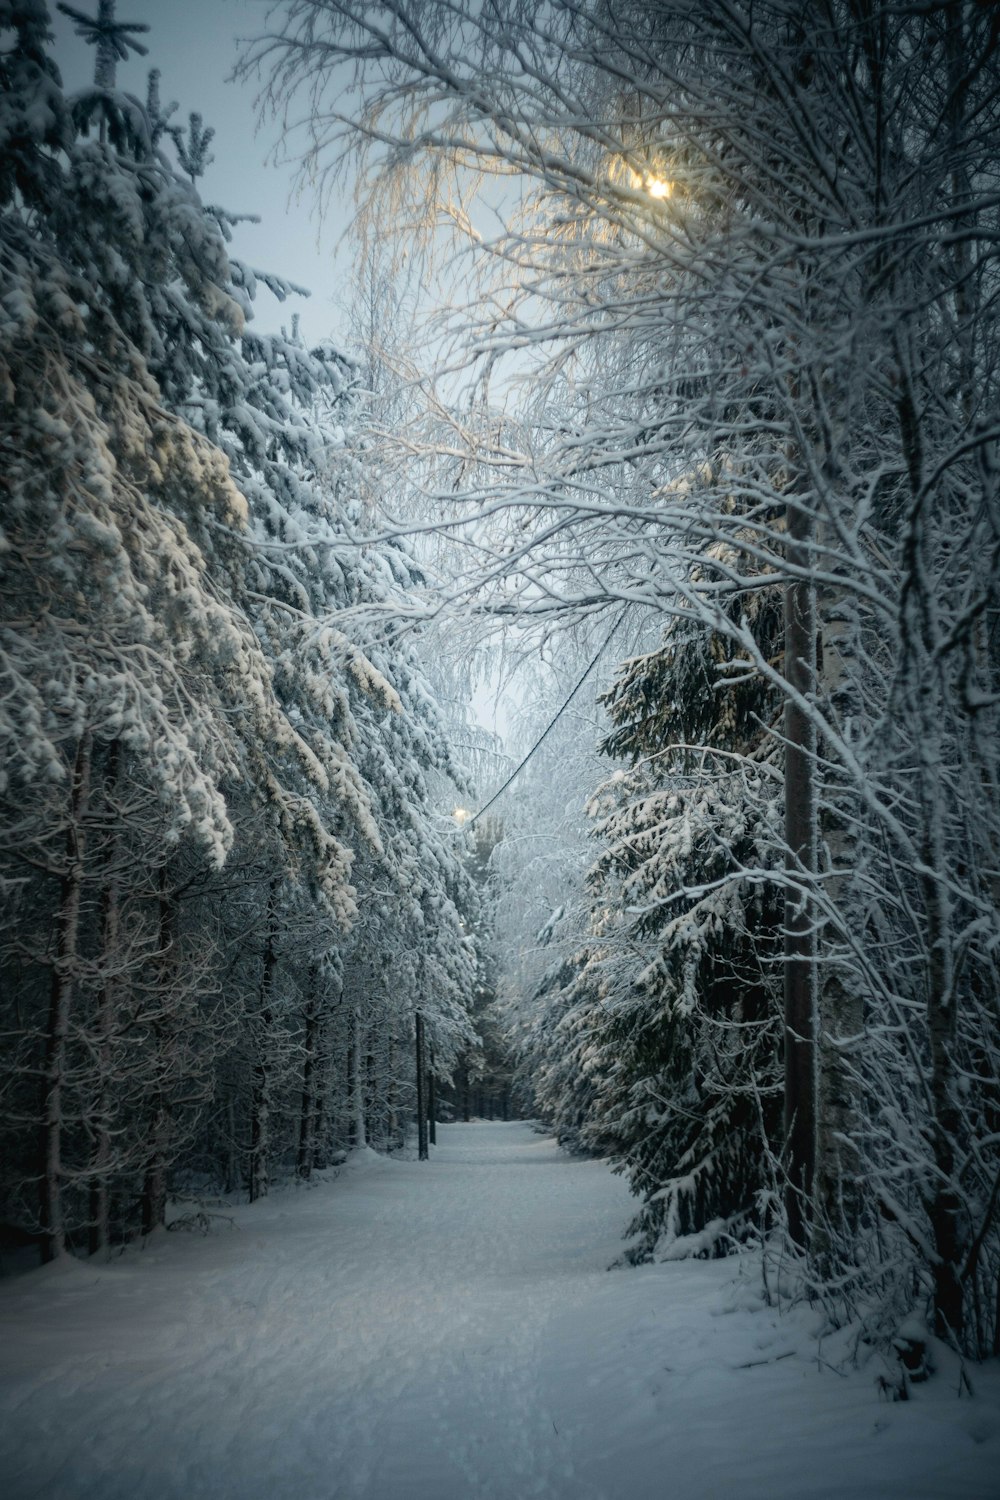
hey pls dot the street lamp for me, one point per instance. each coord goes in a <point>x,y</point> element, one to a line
<point>650,183</point>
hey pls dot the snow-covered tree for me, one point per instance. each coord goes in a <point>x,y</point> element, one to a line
<point>117,644</point>
<point>197,736</point>
<point>783,219</point>
<point>686,959</point>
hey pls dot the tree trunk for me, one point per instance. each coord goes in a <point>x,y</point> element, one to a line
<point>432,1101</point>
<point>393,1097</point>
<point>323,1086</point>
<point>946,1206</point>
<point>423,1151</point>
<point>800,865</point>
<point>925,706</point>
<point>100,1233</point>
<point>61,998</point>
<point>319,1125</point>
<point>307,1108</point>
<point>373,1096</point>
<point>358,1085</point>
<point>233,1174</point>
<point>154,1190</point>
<point>840,1004</point>
<point>260,1123</point>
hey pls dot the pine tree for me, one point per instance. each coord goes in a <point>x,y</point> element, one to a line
<point>674,1011</point>
<point>176,696</point>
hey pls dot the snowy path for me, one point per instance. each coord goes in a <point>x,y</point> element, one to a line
<point>448,1332</point>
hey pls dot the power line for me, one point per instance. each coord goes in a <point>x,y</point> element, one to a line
<point>552,723</point>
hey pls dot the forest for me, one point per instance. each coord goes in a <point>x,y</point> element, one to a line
<point>667,401</point>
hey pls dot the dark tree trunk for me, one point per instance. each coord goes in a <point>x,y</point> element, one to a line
<point>100,1236</point>
<point>322,1086</point>
<point>800,840</point>
<point>260,1124</point>
<point>154,1188</point>
<point>946,1211</point>
<point>349,1085</point>
<point>307,1108</point>
<point>839,1001</point>
<point>360,1124</point>
<point>62,994</point>
<point>233,1174</point>
<point>393,1097</point>
<point>423,1151</point>
<point>373,1110</point>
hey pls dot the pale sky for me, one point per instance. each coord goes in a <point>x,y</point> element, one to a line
<point>194,44</point>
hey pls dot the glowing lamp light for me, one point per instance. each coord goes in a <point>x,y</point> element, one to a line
<point>461,815</point>
<point>658,187</point>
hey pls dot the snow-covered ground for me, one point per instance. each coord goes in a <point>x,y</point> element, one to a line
<point>449,1331</point>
